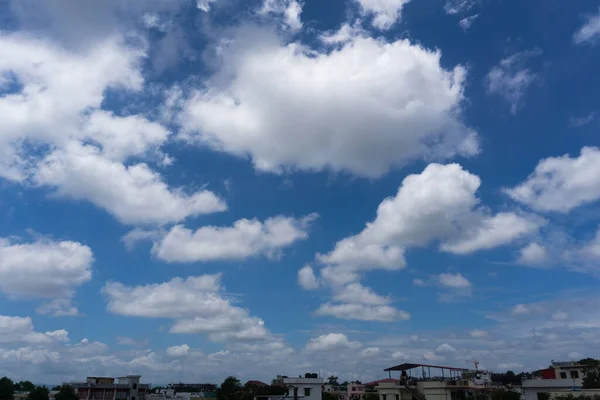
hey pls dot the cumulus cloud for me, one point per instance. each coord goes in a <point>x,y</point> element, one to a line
<point>331,341</point>
<point>197,304</point>
<point>511,78</point>
<point>133,194</point>
<point>454,281</point>
<point>261,104</point>
<point>246,238</point>
<point>20,330</point>
<point>362,312</point>
<point>533,254</point>
<point>385,12</point>
<point>307,279</point>
<point>590,31</point>
<point>45,269</point>
<point>178,351</point>
<point>478,333</point>
<point>561,184</point>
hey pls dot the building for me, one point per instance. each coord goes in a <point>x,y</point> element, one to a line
<point>355,391</point>
<point>559,377</point>
<point>103,388</point>
<point>447,383</point>
<point>298,389</point>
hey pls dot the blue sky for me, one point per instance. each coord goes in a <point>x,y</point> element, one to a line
<point>190,189</point>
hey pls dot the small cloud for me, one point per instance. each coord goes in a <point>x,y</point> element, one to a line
<point>512,365</point>
<point>419,282</point>
<point>560,316</point>
<point>478,333</point>
<point>466,23</point>
<point>520,309</point>
<point>578,122</point>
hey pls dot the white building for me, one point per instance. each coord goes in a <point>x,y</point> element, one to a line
<point>560,377</point>
<point>299,389</point>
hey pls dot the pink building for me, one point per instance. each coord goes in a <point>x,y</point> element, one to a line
<point>356,392</point>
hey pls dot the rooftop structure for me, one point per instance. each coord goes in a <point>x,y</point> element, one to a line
<point>432,382</point>
<point>298,389</point>
<point>103,388</point>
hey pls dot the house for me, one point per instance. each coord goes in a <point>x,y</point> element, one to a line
<point>559,377</point>
<point>355,391</point>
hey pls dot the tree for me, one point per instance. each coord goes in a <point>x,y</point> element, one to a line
<point>329,396</point>
<point>66,392</point>
<point>39,393</point>
<point>371,396</point>
<point>591,373</point>
<point>7,389</point>
<point>24,386</point>
<point>332,380</point>
<point>231,389</point>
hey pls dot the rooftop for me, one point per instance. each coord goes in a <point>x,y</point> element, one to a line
<point>407,366</point>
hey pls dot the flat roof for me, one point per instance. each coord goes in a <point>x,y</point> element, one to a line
<point>407,366</point>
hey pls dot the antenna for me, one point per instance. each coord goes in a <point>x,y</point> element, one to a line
<point>474,362</point>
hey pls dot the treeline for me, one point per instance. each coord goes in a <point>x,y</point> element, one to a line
<point>232,389</point>
<point>8,389</point>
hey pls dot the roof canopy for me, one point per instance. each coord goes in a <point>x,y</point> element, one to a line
<point>407,366</point>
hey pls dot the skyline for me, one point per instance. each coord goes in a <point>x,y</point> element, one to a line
<point>197,188</point>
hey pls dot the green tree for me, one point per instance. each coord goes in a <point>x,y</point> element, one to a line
<point>66,392</point>
<point>231,389</point>
<point>371,396</point>
<point>39,393</point>
<point>7,389</point>
<point>329,396</point>
<point>24,386</point>
<point>591,373</point>
<point>332,380</point>
<point>503,394</point>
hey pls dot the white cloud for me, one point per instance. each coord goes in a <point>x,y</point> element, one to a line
<point>307,279</point>
<point>385,12</point>
<point>246,238</point>
<point>261,104</point>
<point>466,23</point>
<point>445,348</point>
<point>520,309</point>
<point>59,308</point>
<point>345,33</point>
<point>431,356</point>
<point>357,293</point>
<point>478,333</point>
<point>290,10</point>
<point>370,352</point>
<point>459,6</point>
<point>495,231</point>
<point>331,341</point>
<point>510,78</point>
<point>561,184</point>
<point>45,269</point>
<point>533,254</point>
<point>577,122</point>
<point>198,305</point>
<point>591,250</point>
<point>363,312</point>
<point>419,282</point>
<point>204,5</point>
<point>453,281</point>
<point>20,329</point>
<point>133,194</point>
<point>178,351</point>
<point>400,355</point>
<point>590,31</point>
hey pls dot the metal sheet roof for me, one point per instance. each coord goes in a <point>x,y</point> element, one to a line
<point>407,366</point>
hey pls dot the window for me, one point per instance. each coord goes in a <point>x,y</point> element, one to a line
<point>134,387</point>
<point>575,374</point>
<point>306,392</point>
<point>563,375</point>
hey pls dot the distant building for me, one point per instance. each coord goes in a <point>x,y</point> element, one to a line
<point>298,389</point>
<point>355,391</point>
<point>103,388</point>
<point>560,377</point>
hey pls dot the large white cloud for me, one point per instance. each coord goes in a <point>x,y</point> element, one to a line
<point>20,329</point>
<point>331,341</point>
<point>561,184</point>
<point>45,269</point>
<point>133,194</point>
<point>379,105</point>
<point>197,304</point>
<point>244,239</point>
